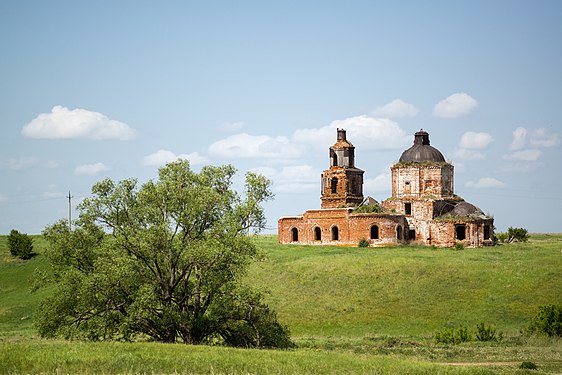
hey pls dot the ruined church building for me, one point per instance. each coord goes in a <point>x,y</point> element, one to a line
<point>423,208</point>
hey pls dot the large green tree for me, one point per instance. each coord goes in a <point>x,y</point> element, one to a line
<point>165,261</point>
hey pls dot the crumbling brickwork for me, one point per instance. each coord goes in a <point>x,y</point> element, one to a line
<point>340,226</point>
<point>342,184</point>
<point>422,209</point>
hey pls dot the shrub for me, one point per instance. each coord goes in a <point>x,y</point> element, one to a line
<point>501,237</point>
<point>453,336</point>
<point>548,320</point>
<point>363,243</point>
<point>528,365</point>
<point>446,336</point>
<point>487,333</point>
<point>20,244</point>
<point>459,246</point>
<point>368,209</point>
<point>462,334</point>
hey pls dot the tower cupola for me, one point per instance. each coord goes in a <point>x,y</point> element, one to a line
<point>342,184</point>
<point>421,151</point>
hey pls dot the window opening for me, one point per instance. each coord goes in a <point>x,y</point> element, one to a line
<point>335,234</point>
<point>399,232</point>
<point>334,185</point>
<point>317,234</point>
<point>486,232</point>
<point>408,208</point>
<point>374,232</point>
<point>295,234</point>
<point>460,232</point>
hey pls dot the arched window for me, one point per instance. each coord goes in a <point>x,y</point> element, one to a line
<point>374,232</point>
<point>295,234</point>
<point>317,234</point>
<point>335,234</point>
<point>399,232</point>
<point>334,185</point>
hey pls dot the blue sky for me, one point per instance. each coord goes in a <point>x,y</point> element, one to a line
<point>94,89</point>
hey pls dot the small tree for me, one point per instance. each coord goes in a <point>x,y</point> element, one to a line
<point>517,234</point>
<point>20,245</point>
<point>513,235</point>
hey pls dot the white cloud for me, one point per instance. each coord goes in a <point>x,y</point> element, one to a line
<point>292,179</point>
<point>540,138</point>
<point>473,140</point>
<point>470,142</point>
<point>255,146</point>
<point>486,182</point>
<point>520,167</point>
<point>395,109</point>
<point>232,126</point>
<point>17,163</point>
<point>365,132</point>
<point>455,105</point>
<point>466,154</point>
<point>519,138</point>
<point>380,183</point>
<point>162,157</point>
<point>524,155</point>
<point>25,162</point>
<point>63,123</point>
<point>90,169</point>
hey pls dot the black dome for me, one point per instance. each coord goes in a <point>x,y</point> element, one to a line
<point>421,150</point>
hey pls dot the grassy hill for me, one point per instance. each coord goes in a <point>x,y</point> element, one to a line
<point>409,291</point>
<point>351,310</point>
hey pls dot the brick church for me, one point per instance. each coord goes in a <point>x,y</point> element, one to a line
<point>423,208</point>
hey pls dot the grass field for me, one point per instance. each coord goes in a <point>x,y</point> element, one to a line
<point>350,310</point>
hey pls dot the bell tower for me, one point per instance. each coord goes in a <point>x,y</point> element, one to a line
<point>342,184</point>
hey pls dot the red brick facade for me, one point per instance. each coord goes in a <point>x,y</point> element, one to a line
<point>340,226</point>
<point>423,208</point>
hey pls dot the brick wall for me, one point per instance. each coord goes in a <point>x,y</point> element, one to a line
<point>351,228</point>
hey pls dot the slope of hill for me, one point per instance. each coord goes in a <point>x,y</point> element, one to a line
<point>409,291</point>
<point>351,310</point>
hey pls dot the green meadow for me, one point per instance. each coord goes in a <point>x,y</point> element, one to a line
<point>350,310</point>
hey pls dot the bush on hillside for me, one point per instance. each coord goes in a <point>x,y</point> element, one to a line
<point>20,245</point>
<point>486,332</point>
<point>548,320</point>
<point>453,336</point>
<point>528,365</point>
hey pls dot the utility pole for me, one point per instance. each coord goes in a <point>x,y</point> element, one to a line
<point>70,210</point>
